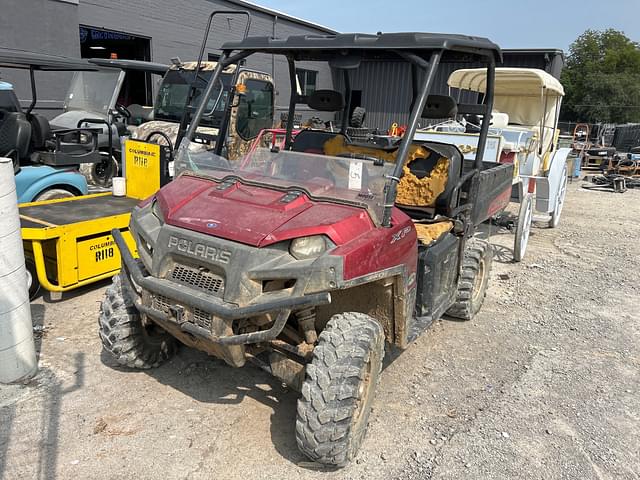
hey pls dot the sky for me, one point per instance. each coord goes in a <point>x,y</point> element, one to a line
<point>509,23</point>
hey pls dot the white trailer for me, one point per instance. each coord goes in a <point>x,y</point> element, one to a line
<point>523,132</point>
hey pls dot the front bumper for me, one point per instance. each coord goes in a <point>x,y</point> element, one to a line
<point>280,304</point>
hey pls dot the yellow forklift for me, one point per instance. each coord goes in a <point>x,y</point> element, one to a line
<point>67,242</point>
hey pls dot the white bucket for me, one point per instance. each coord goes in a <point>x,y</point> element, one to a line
<point>119,187</point>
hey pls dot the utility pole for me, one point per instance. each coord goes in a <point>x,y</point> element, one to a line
<point>17,349</point>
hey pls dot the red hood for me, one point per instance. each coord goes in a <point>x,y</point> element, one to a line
<point>256,216</point>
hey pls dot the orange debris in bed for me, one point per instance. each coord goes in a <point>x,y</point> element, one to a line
<point>422,191</point>
<point>412,190</point>
<point>428,232</point>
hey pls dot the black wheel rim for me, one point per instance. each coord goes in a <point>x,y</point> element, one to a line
<point>103,171</point>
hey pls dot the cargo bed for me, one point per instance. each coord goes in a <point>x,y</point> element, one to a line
<point>67,242</point>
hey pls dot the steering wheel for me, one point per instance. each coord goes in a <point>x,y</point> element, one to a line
<point>122,110</point>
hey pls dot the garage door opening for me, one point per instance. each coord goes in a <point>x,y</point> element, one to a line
<point>101,43</point>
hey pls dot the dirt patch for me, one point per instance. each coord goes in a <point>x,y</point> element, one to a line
<point>543,383</point>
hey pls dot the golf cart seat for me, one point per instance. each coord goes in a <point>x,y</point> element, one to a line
<point>15,135</point>
<point>40,131</point>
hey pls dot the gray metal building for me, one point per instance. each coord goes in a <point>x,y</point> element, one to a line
<point>155,30</point>
<point>384,110</point>
<point>158,30</point>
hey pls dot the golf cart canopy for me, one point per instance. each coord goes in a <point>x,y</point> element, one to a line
<point>530,97</point>
<point>521,82</point>
<point>313,46</point>
<point>133,65</point>
<point>23,59</point>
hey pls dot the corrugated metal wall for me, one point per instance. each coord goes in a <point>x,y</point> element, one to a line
<point>174,27</point>
<point>551,61</point>
<point>42,26</point>
<point>386,87</point>
<point>386,91</point>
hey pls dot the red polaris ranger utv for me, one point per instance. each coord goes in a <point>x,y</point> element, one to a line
<point>306,258</point>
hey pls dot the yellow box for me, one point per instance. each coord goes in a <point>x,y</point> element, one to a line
<point>99,255</point>
<point>142,168</point>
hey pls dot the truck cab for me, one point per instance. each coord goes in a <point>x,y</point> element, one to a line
<point>252,112</point>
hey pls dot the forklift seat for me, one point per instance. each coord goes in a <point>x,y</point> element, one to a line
<point>15,135</point>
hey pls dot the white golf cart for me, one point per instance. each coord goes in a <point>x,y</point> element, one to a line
<point>523,132</point>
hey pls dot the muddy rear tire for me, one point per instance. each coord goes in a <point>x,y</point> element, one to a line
<point>333,411</point>
<point>474,279</point>
<point>124,336</point>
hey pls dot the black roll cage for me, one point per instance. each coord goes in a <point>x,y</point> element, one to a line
<point>184,121</point>
<point>420,94</point>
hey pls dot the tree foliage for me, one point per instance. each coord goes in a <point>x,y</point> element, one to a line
<point>602,78</point>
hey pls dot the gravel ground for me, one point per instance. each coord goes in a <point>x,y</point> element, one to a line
<point>542,384</point>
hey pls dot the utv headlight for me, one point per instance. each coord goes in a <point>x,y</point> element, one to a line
<point>85,137</point>
<point>309,247</point>
<point>157,211</point>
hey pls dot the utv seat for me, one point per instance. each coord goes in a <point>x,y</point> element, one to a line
<point>429,178</point>
<point>423,167</point>
<point>441,166</point>
<point>312,141</point>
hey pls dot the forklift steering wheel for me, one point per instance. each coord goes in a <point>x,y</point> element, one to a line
<point>122,110</point>
<point>166,138</point>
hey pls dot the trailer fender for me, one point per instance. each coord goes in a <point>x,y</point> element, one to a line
<point>548,186</point>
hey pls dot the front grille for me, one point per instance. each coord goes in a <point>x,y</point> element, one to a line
<point>197,316</point>
<point>202,280</point>
<point>202,318</point>
<point>161,303</point>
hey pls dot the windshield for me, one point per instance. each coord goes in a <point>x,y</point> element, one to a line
<point>92,91</point>
<point>350,181</point>
<point>173,92</point>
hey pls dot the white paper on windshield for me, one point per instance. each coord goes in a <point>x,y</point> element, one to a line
<point>172,169</point>
<point>355,176</point>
